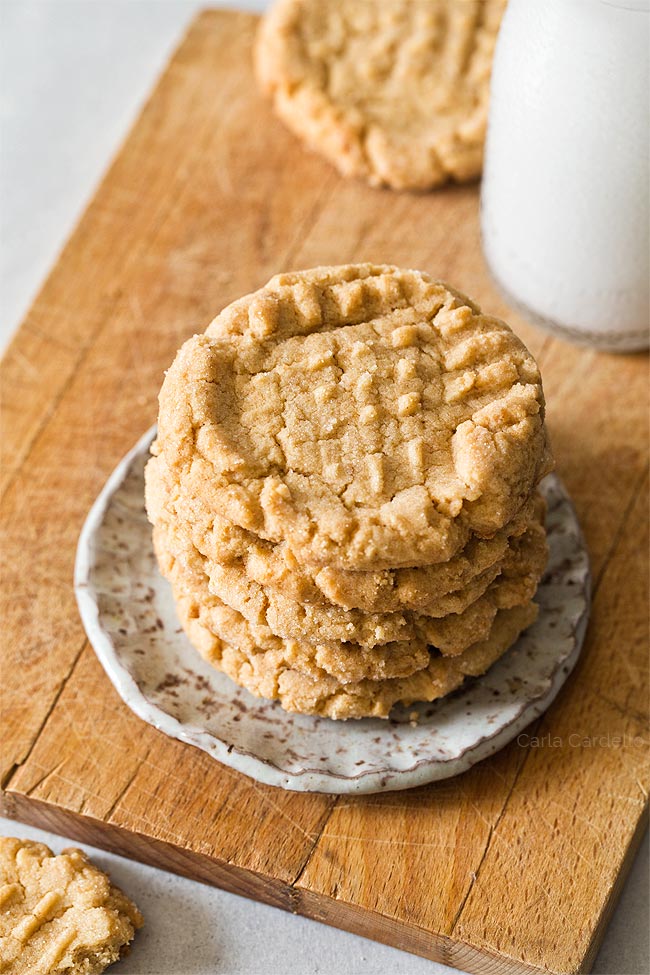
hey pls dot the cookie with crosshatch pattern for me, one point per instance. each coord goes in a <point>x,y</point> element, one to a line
<point>59,915</point>
<point>395,92</point>
<point>371,416</point>
<point>434,590</point>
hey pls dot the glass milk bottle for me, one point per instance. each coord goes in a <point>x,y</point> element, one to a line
<point>564,207</point>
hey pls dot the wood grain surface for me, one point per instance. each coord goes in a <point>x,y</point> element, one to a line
<point>511,867</point>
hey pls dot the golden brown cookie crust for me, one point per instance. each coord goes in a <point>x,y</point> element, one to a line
<point>268,674</point>
<point>184,568</point>
<point>59,915</point>
<point>267,611</point>
<point>395,92</point>
<point>373,416</point>
<point>434,590</point>
<point>348,661</point>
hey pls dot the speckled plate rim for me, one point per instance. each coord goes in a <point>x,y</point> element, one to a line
<point>261,769</point>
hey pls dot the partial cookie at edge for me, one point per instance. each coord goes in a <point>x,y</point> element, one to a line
<point>396,93</point>
<point>60,914</point>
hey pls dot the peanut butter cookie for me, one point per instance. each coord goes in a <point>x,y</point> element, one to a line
<point>435,590</point>
<point>314,651</point>
<point>370,415</point>
<point>269,674</point>
<point>395,92</point>
<point>59,915</point>
<point>269,612</point>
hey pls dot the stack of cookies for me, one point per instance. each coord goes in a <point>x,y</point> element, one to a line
<point>343,489</point>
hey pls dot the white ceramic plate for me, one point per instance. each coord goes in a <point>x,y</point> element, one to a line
<point>129,616</point>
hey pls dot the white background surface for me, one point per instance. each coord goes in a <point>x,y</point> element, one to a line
<point>73,74</point>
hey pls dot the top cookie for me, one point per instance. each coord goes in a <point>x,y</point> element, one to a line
<point>394,91</point>
<point>370,415</point>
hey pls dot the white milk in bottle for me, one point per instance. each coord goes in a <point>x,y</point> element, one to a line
<point>565,186</point>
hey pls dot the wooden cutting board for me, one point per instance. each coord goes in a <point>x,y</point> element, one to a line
<point>512,867</point>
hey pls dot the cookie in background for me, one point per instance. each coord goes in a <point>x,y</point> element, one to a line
<point>395,92</point>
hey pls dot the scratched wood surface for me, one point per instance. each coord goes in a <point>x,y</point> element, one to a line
<point>512,867</point>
